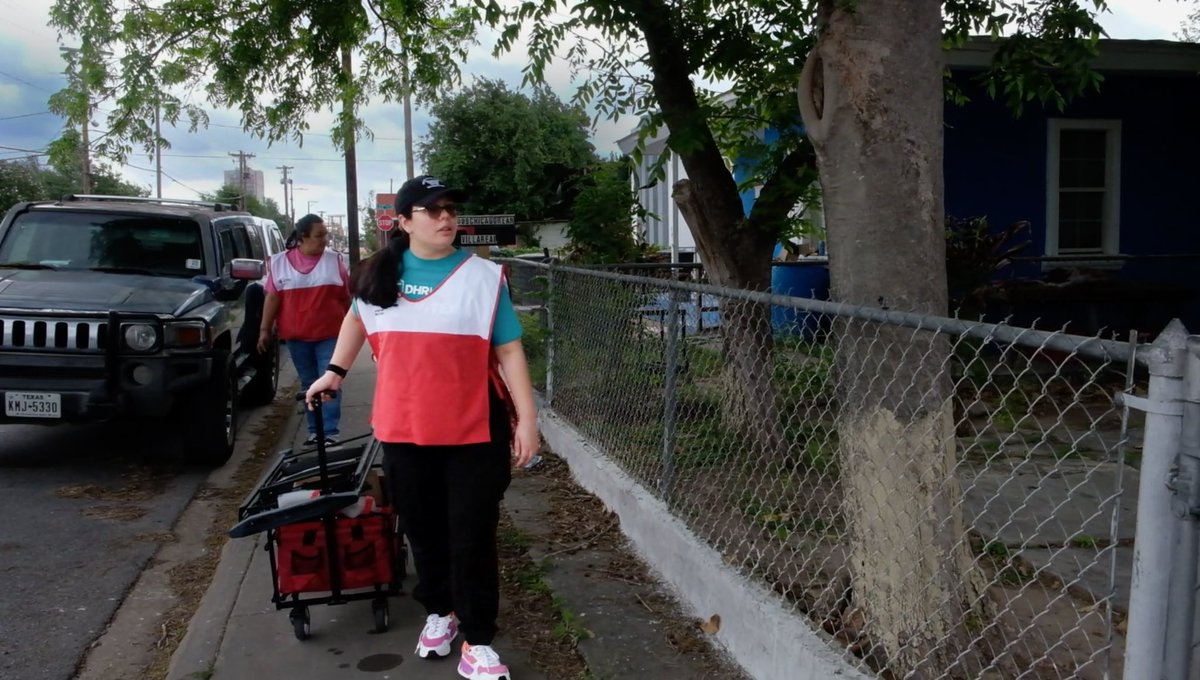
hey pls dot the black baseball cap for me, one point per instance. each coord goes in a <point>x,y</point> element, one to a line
<point>424,190</point>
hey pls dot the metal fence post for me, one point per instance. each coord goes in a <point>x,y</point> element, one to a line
<point>1155,531</point>
<point>1186,506</point>
<point>670,394</point>
<point>550,336</point>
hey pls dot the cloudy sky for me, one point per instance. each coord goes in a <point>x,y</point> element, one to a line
<point>31,70</point>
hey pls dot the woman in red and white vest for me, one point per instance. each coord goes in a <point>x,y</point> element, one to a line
<point>308,293</point>
<point>453,408</point>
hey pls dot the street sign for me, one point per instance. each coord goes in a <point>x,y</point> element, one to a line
<point>486,230</point>
<point>385,204</point>
<point>384,222</point>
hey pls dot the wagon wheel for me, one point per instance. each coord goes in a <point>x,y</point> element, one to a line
<point>301,623</point>
<point>379,607</point>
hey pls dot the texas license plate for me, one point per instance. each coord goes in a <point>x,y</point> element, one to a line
<point>33,405</point>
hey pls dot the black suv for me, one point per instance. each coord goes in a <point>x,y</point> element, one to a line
<point>116,307</point>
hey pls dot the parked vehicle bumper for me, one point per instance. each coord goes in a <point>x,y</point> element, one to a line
<point>92,389</point>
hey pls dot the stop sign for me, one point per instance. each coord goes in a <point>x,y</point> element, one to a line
<point>385,222</point>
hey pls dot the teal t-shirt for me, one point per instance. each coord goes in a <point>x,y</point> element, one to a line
<point>420,277</point>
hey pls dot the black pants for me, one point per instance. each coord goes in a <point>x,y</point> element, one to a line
<point>448,499</point>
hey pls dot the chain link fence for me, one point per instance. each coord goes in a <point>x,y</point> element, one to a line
<point>943,499</point>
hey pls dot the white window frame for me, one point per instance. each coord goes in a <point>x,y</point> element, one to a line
<point>1111,230</point>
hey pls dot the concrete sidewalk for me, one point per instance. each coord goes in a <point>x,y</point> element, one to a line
<point>237,634</point>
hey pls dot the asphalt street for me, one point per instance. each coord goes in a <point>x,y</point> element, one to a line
<point>82,511</point>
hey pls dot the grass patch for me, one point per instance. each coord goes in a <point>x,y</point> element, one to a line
<point>531,578</point>
<point>1009,569</point>
<point>805,376</point>
<point>989,447</point>
<point>1084,541</point>
<point>781,522</point>
<point>534,339</point>
<point>816,444</point>
<point>512,538</point>
<point>1067,451</point>
<point>702,362</point>
<point>568,627</point>
<point>698,444</point>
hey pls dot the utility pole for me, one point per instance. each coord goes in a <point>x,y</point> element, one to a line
<point>337,230</point>
<point>351,164</point>
<point>285,184</point>
<point>158,150</point>
<point>408,130</point>
<point>242,172</point>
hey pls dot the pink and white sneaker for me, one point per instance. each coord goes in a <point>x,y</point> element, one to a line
<point>436,637</point>
<point>481,662</point>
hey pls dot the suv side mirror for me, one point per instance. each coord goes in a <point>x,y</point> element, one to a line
<point>245,269</point>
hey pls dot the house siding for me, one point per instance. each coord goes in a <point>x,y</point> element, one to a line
<point>995,165</point>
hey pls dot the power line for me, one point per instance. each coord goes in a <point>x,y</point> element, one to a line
<point>284,158</point>
<point>17,148</point>
<point>26,115</point>
<point>313,134</point>
<point>25,82</point>
<point>165,174</point>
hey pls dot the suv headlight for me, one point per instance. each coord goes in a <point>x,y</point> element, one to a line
<point>140,337</point>
<point>186,334</point>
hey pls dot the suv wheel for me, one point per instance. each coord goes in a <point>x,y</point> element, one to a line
<point>211,413</point>
<point>262,389</point>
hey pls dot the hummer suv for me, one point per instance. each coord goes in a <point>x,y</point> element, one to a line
<point>133,308</point>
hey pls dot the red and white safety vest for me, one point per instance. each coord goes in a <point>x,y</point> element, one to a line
<point>312,305</point>
<point>435,359</point>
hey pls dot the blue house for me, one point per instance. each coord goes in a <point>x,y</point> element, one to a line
<point>1110,187</point>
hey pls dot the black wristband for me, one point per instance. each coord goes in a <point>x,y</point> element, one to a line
<point>334,368</point>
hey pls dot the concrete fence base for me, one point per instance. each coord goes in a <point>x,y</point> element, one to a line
<point>757,632</point>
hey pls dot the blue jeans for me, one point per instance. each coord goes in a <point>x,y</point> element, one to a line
<point>310,357</point>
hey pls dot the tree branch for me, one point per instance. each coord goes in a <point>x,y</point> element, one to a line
<point>780,193</point>
<point>690,135</point>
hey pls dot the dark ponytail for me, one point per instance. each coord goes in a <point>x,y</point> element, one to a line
<point>377,279</point>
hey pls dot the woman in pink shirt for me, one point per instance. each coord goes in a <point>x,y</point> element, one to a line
<point>308,294</point>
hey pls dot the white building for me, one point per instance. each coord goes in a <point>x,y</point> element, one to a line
<point>254,182</point>
<point>663,224</point>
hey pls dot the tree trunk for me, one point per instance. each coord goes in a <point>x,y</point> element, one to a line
<point>871,96</point>
<point>738,259</point>
<point>736,253</point>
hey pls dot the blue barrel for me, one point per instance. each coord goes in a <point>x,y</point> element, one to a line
<point>807,278</point>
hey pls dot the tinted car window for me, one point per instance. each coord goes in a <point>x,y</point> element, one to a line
<point>241,242</point>
<point>258,249</point>
<point>79,240</point>
<point>225,236</point>
<point>277,239</point>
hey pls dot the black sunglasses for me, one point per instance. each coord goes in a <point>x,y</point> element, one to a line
<point>435,211</point>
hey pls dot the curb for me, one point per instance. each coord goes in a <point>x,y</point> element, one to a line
<point>198,649</point>
<point>197,653</point>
